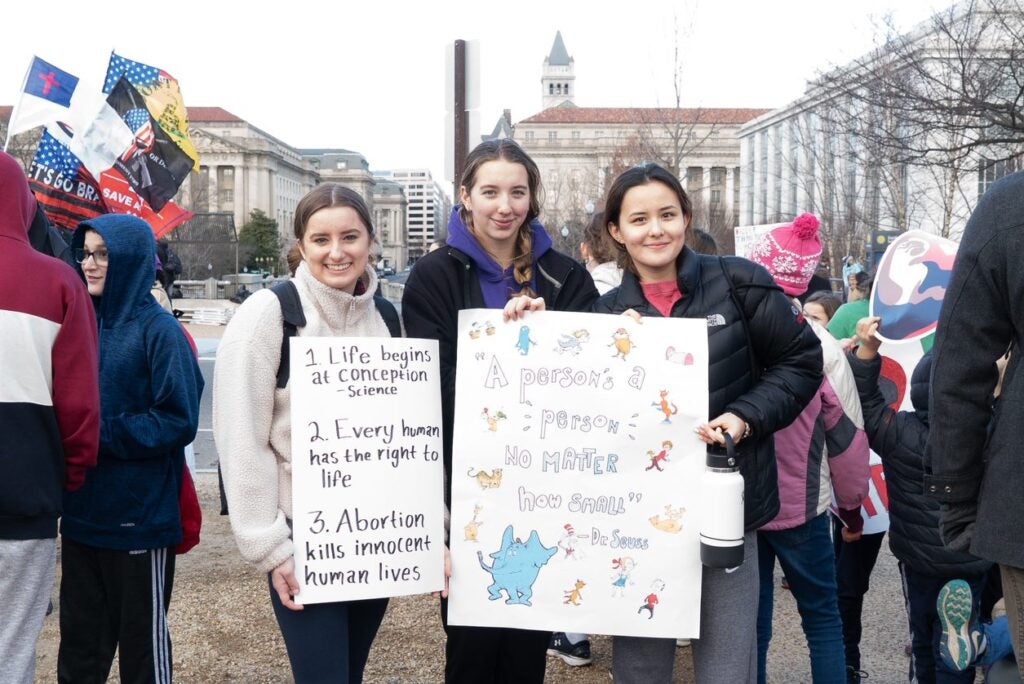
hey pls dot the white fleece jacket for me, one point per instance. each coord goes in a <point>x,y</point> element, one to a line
<point>251,417</point>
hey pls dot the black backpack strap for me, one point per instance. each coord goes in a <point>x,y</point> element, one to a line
<point>387,311</point>
<point>291,310</point>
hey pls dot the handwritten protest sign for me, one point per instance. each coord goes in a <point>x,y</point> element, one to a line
<point>367,475</point>
<point>576,473</point>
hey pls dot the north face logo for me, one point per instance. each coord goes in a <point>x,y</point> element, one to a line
<point>715,320</point>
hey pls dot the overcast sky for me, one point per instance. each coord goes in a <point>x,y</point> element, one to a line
<point>369,75</point>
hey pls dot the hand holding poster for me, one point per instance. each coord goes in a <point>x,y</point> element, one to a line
<point>367,480</point>
<point>576,473</point>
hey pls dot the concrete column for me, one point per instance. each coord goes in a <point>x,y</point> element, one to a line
<point>213,189</point>
<point>730,189</point>
<point>705,185</point>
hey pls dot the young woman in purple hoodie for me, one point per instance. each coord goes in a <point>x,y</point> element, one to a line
<point>498,256</point>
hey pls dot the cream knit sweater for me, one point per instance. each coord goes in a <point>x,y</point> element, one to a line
<point>251,417</point>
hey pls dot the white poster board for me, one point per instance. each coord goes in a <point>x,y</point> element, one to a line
<point>747,236</point>
<point>367,474</point>
<point>576,473</point>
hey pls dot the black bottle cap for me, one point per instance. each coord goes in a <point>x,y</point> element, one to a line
<point>724,457</point>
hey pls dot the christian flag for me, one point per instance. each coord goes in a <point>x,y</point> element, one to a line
<point>45,97</point>
<point>62,185</point>
<point>153,164</point>
<point>162,96</point>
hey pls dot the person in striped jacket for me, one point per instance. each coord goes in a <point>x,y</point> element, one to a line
<point>49,417</point>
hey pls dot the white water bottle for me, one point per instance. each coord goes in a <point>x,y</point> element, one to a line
<point>721,530</point>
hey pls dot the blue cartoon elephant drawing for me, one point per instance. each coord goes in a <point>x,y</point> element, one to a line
<point>515,567</point>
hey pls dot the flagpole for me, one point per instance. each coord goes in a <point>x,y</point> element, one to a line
<point>14,111</point>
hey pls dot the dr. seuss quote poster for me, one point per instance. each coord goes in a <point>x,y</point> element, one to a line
<point>576,472</point>
<point>367,474</point>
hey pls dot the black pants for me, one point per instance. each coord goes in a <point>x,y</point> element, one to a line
<point>921,592</point>
<point>493,655</point>
<point>854,563</point>
<point>112,600</point>
<point>329,643</point>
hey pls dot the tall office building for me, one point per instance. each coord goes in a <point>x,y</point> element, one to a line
<point>426,210</point>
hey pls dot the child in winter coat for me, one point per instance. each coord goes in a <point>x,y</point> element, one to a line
<point>899,438</point>
<point>822,455</point>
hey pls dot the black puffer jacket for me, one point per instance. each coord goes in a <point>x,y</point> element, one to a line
<point>445,281</point>
<point>786,352</point>
<point>899,438</point>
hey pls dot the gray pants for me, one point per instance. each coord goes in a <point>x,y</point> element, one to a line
<point>1013,592</point>
<point>726,652</point>
<point>27,569</point>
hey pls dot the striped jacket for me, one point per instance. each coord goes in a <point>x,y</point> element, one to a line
<point>49,395</point>
<point>823,454</point>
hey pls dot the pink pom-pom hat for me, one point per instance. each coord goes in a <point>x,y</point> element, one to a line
<point>791,253</point>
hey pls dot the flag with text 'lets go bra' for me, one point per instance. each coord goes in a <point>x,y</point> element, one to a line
<point>62,185</point>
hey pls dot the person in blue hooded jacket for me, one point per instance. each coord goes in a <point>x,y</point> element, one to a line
<point>120,528</point>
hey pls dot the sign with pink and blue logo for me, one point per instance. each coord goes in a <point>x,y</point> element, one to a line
<point>910,284</point>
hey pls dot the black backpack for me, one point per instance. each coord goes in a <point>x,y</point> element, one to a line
<point>291,310</point>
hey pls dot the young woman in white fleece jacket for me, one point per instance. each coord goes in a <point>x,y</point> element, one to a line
<point>252,425</point>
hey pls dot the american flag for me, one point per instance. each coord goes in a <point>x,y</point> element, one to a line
<point>137,73</point>
<point>55,155</point>
<point>136,118</point>
<point>162,98</point>
<point>63,187</point>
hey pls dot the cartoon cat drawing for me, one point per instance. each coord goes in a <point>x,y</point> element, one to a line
<point>573,596</point>
<point>666,406</point>
<point>672,522</point>
<point>515,567</point>
<point>491,481</point>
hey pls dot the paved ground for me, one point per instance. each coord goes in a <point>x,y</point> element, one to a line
<point>224,630</point>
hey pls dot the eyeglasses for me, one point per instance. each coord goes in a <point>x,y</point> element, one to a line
<point>99,257</point>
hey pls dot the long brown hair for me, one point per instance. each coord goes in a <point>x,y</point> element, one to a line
<point>508,150</point>
<point>595,237</point>
<point>328,195</point>
<point>641,174</point>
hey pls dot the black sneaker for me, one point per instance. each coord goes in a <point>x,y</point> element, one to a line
<point>854,675</point>
<point>574,655</point>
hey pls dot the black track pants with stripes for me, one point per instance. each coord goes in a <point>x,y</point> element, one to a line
<point>110,600</point>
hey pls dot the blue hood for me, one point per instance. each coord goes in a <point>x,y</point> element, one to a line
<point>130,271</point>
<point>492,275</point>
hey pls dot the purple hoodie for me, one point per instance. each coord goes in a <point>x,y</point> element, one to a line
<point>497,284</point>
